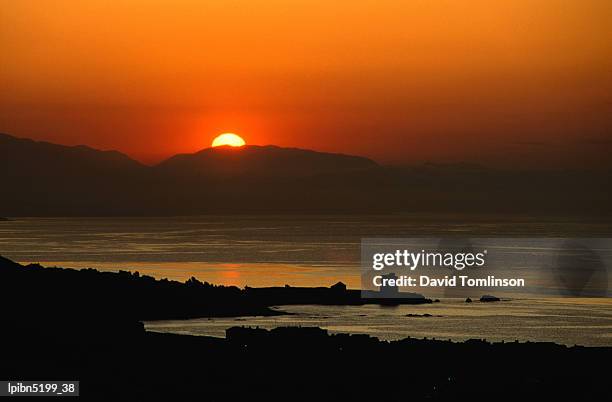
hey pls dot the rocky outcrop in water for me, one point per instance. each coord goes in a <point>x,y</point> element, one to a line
<point>489,298</point>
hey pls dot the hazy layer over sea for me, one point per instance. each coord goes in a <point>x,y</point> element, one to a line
<point>248,250</point>
<point>311,251</point>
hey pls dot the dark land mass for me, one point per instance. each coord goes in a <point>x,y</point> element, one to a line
<point>61,324</point>
<point>336,294</point>
<point>128,296</point>
<point>122,296</point>
<point>126,363</point>
<point>43,179</point>
<point>259,162</point>
<point>85,325</point>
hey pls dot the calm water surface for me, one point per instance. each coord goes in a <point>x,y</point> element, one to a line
<point>309,251</point>
<point>246,250</point>
<point>585,322</point>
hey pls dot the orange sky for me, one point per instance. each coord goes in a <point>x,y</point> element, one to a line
<point>512,82</point>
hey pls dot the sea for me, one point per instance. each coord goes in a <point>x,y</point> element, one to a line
<point>314,250</point>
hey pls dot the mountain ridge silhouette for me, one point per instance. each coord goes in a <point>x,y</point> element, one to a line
<point>262,160</point>
<point>44,179</point>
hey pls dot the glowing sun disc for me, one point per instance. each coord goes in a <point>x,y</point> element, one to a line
<point>230,139</point>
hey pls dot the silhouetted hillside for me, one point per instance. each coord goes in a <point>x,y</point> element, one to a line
<point>270,162</point>
<point>41,179</point>
<point>63,158</point>
<point>91,293</point>
<point>83,325</point>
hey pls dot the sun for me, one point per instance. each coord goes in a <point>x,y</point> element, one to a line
<point>230,139</point>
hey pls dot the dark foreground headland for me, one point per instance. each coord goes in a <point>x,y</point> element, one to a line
<point>131,296</point>
<point>305,364</point>
<point>54,329</point>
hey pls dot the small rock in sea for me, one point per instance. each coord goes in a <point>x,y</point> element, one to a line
<point>489,298</point>
<point>468,300</point>
<point>437,301</point>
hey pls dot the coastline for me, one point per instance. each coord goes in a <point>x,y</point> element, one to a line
<point>568,322</point>
<point>200,308</point>
<point>88,326</point>
<point>273,365</point>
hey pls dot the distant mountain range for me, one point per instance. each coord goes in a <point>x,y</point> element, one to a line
<point>260,161</point>
<point>44,179</point>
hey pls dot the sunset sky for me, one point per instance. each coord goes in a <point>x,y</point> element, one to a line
<point>509,82</point>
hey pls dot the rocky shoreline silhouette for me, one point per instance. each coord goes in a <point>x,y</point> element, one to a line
<point>130,295</point>
<point>86,326</point>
